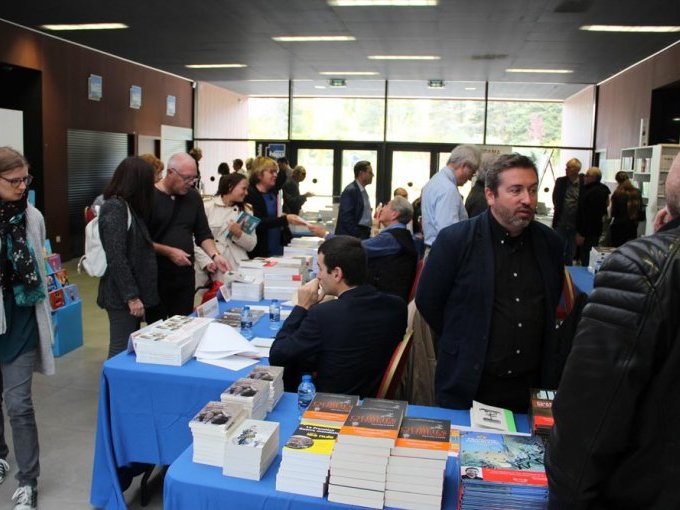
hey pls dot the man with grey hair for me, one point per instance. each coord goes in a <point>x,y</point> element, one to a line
<point>489,290</point>
<point>566,195</point>
<point>617,411</point>
<point>592,208</point>
<point>178,221</point>
<point>442,203</point>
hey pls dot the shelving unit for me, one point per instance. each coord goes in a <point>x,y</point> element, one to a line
<point>649,166</point>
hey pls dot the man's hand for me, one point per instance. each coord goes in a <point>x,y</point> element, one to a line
<point>661,218</point>
<point>308,295</point>
<point>308,194</point>
<point>317,230</point>
<point>294,219</point>
<point>580,240</point>
<point>178,257</point>
<point>222,263</point>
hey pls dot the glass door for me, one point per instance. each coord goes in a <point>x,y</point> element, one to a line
<point>319,166</point>
<point>350,157</point>
<point>411,171</point>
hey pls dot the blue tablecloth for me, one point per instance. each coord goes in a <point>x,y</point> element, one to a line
<point>583,279</point>
<point>197,486</point>
<point>144,410</point>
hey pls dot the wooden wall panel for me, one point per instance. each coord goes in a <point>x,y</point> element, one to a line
<point>627,98</point>
<point>65,68</point>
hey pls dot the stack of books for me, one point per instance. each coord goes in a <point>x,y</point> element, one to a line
<point>273,376</point>
<point>542,420</point>
<point>359,462</point>
<point>306,459</point>
<point>232,317</point>
<point>502,471</point>
<point>281,286</point>
<point>252,394</point>
<point>251,449</point>
<point>330,408</point>
<point>415,471</point>
<point>247,289</point>
<point>210,429</point>
<point>259,267</point>
<point>169,342</point>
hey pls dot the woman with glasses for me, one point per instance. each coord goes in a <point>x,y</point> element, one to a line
<point>223,211</point>
<point>272,232</point>
<point>129,284</point>
<point>25,321</point>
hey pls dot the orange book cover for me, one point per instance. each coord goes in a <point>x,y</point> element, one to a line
<point>330,407</point>
<point>372,422</point>
<point>424,433</point>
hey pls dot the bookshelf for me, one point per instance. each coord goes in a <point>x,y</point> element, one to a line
<point>649,166</point>
<point>67,315</point>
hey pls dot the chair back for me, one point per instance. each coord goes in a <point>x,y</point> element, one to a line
<point>568,297</point>
<point>395,368</point>
<point>414,287</point>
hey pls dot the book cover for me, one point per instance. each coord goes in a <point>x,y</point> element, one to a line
<point>383,403</point>
<point>425,434</point>
<point>490,417</point>
<point>454,442</point>
<point>51,282</point>
<point>372,422</point>
<point>57,299</point>
<point>54,261</point>
<point>541,410</point>
<point>62,277</point>
<point>72,294</point>
<point>253,433</point>
<point>248,223</point>
<point>311,438</point>
<point>502,458</point>
<point>266,373</point>
<point>245,388</point>
<point>330,407</point>
<point>222,415</point>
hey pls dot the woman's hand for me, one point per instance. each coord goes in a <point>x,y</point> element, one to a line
<point>295,219</point>
<point>317,230</point>
<point>136,307</point>
<point>235,229</point>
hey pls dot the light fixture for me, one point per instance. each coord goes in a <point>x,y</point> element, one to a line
<point>319,86</point>
<point>314,38</point>
<point>676,119</point>
<point>547,71</point>
<point>349,73</point>
<point>470,88</point>
<point>214,66</point>
<point>404,57</point>
<point>382,3</point>
<point>337,82</point>
<point>85,26</point>
<point>630,28</point>
<point>435,84</point>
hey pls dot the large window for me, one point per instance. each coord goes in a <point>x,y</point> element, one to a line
<point>268,118</point>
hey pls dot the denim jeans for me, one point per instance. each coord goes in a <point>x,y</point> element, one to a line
<point>16,380</point>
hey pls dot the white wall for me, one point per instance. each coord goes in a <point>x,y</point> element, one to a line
<point>12,129</point>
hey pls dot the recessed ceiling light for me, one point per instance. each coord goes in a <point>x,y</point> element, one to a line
<point>676,119</point>
<point>313,38</point>
<point>349,73</point>
<point>214,66</point>
<point>85,26</point>
<point>548,71</point>
<point>382,3</point>
<point>470,88</point>
<point>630,28</point>
<point>319,86</point>
<point>268,80</point>
<point>403,57</point>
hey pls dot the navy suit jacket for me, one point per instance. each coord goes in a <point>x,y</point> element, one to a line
<point>349,341</point>
<point>455,296</point>
<point>350,212</point>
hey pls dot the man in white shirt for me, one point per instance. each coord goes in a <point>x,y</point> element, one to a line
<point>442,203</point>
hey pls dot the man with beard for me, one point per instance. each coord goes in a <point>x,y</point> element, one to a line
<point>489,290</point>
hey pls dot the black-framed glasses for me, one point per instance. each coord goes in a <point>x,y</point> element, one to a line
<point>186,178</point>
<point>16,181</point>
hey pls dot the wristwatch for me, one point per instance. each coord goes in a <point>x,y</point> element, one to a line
<point>212,257</point>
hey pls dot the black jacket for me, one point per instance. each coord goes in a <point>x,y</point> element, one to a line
<point>351,340</point>
<point>592,207</point>
<point>131,270</point>
<point>617,411</point>
<point>559,192</point>
<point>455,296</point>
<point>256,199</point>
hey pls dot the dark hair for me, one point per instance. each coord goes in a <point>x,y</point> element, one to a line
<point>228,183</point>
<point>223,168</point>
<point>282,160</point>
<point>621,176</point>
<point>133,181</point>
<point>361,166</point>
<point>626,190</point>
<point>506,162</point>
<point>348,254</point>
<point>237,163</point>
<point>11,159</point>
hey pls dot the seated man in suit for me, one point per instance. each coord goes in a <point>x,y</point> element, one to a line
<point>347,342</point>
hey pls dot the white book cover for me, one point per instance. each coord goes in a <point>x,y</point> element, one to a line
<point>253,434</point>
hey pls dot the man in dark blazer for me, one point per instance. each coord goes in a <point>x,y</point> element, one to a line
<point>566,198</point>
<point>354,215</point>
<point>489,290</point>
<point>346,342</point>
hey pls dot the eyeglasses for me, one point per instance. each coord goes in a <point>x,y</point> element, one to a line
<point>186,178</point>
<point>16,181</point>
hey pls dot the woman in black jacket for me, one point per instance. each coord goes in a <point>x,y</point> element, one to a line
<point>272,232</point>
<point>130,282</point>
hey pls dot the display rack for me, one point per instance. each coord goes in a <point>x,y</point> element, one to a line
<point>67,312</point>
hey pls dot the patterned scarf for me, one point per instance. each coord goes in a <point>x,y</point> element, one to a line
<point>18,267</point>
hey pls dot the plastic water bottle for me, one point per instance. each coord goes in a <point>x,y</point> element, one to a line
<point>274,315</point>
<point>306,392</point>
<point>246,323</point>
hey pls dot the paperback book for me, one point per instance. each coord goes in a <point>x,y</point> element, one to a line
<point>210,428</point>
<point>251,449</point>
<point>248,223</point>
<point>540,412</point>
<point>330,408</point>
<point>371,426</point>
<point>423,438</point>
<point>483,416</point>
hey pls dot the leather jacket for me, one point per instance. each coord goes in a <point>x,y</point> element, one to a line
<point>616,442</point>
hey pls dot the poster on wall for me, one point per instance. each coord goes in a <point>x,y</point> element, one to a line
<point>136,97</point>
<point>94,87</point>
<point>170,105</point>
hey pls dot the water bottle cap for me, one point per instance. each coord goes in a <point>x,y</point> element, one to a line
<point>275,301</point>
<point>246,307</point>
<point>306,378</point>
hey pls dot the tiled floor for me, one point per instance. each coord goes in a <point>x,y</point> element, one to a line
<point>66,410</point>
